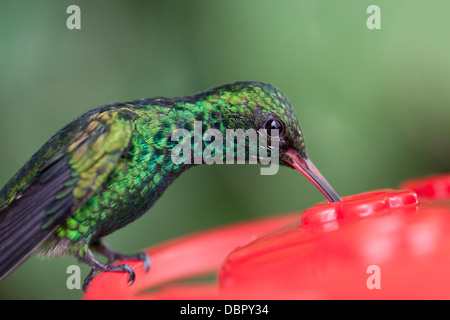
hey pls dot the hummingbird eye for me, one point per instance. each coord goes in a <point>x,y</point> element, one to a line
<point>273,124</point>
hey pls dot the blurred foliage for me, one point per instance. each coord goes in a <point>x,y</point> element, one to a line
<point>374,105</point>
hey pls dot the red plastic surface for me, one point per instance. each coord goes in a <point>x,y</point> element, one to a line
<point>386,244</point>
<point>436,187</point>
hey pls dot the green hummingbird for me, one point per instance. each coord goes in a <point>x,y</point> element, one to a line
<point>110,165</point>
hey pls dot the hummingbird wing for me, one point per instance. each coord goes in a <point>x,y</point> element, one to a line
<point>35,204</point>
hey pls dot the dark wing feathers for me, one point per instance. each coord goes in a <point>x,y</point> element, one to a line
<point>21,224</point>
<point>59,188</point>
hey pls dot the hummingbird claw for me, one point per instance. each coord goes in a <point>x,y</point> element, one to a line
<point>97,266</point>
<point>105,267</point>
<point>147,262</point>
<point>102,248</point>
<point>89,278</point>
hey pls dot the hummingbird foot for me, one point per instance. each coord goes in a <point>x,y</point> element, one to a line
<point>102,248</point>
<point>98,266</point>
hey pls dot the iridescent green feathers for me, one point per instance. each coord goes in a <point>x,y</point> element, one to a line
<point>92,154</point>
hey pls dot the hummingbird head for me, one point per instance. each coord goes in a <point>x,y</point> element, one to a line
<point>262,106</point>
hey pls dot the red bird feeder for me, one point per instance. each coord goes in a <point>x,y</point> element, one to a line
<point>385,244</point>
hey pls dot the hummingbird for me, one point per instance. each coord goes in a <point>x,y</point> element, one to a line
<point>109,166</point>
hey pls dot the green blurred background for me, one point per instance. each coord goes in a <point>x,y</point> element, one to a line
<point>374,105</point>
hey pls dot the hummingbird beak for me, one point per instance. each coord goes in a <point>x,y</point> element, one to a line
<point>309,170</point>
